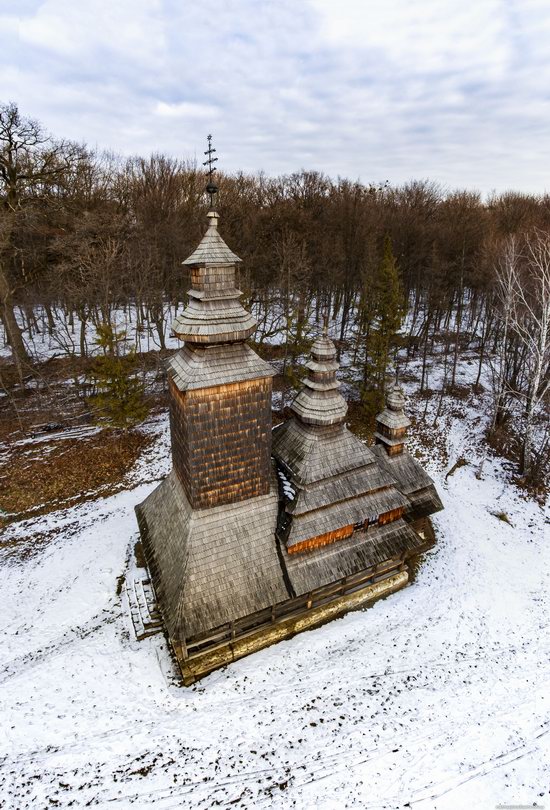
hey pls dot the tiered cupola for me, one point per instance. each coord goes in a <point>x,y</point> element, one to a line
<point>411,479</point>
<point>391,423</point>
<point>208,528</point>
<point>320,401</point>
<point>214,313</point>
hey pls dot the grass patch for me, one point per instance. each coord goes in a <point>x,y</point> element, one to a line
<point>40,478</point>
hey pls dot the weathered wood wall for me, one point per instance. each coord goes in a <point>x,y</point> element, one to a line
<point>321,540</point>
<point>221,441</point>
<point>389,517</point>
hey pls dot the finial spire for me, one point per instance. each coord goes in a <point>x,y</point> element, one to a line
<point>211,188</point>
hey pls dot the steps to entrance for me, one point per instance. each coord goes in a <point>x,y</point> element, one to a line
<point>142,603</point>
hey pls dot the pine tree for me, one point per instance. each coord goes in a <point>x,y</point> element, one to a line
<point>387,308</point>
<point>118,400</point>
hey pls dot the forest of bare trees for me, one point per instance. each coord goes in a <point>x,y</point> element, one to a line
<point>404,271</point>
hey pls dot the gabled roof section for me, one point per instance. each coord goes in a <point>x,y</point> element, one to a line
<point>409,475</point>
<point>345,513</point>
<point>338,488</point>
<point>212,250</point>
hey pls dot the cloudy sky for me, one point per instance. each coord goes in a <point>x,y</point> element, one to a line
<point>453,90</point>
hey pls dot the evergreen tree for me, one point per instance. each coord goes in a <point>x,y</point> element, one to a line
<point>118,400</point>
<point>386,308</point>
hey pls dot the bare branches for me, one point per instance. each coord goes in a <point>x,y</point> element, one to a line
<point>523,288</point>
<point>32,163</point>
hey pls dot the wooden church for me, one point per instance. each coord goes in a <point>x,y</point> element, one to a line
<point>257,534</point>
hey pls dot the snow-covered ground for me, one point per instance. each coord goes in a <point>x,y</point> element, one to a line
<point>437,697</point>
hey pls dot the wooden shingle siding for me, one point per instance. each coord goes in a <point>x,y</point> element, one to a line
<point>423,503</point>
<point>213,565</point>
<point>196,366</point>
<point>344,513</point>
<point>391,433</point>
<point>228,553</point>
<point>409,475</point>
<point>221,441</point>
<point>295,606</point>
<point>212,250</point>
<point>326,564</point>
<point>313,453</point>
<point>366,480</point>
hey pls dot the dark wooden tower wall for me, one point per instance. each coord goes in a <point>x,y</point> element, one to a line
<point>221,441</point>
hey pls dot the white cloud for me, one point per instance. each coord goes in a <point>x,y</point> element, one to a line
<point>422,36</point>
<point>128,27</point>
<point>435,88</point>
<point>186,109</point>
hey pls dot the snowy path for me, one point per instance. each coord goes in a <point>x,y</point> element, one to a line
<point>438,697</point>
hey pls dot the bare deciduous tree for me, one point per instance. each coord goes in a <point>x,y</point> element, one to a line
<point>531,323</point>
<point>32,166</point>
<point>523,280</point>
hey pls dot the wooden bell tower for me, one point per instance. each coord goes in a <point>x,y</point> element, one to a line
<point>220,390</point>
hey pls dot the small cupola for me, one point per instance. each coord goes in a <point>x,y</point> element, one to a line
<point>391,423</point>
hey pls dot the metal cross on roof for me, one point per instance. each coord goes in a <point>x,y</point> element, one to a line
<point>211,187</point>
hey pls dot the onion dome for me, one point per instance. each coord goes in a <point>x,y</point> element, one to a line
<point>214,313</point>
<point>320,402</point>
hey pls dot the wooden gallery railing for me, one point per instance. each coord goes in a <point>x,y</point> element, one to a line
<point>290,608</point>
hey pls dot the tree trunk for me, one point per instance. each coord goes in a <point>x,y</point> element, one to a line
<point>458,324</point>
<point>51,321</point>
<point>525,465</point>
<point>15,338</point>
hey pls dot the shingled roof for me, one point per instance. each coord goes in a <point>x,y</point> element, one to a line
<point>327,564</point>
<point>391,451</point>
<point>212,250</point>
<point>204,366</point>
<point>210,566</point>
<point>320,402</point>
<point>312,453</point>
<point>335,476</point>
<point>214,313</point>
<point>221,542</point>
<point>412,480</point>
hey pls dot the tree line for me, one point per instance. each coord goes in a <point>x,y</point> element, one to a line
<point>86,233</point>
